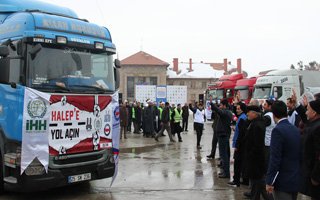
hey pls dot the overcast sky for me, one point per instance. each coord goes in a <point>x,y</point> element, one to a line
<point>269,34</point>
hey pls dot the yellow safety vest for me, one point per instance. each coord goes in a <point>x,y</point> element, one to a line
<point>177,115</point>
<point>160,112</point>
<point>133,113</point>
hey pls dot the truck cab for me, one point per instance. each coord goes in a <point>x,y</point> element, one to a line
<point>245,88</point>
<point>50,50</point>
<point>281,83</point>
<point>224,88</point>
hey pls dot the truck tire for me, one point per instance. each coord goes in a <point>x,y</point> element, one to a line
<point>1,174</point>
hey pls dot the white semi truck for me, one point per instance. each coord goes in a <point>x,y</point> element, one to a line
<point>280,84</point>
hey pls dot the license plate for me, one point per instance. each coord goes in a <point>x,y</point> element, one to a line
<point>78,178</point>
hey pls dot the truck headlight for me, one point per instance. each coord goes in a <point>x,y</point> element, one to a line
<point>61,40</point>
<point>98,45</point>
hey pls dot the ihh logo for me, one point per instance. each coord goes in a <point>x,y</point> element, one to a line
<point>36,125</point>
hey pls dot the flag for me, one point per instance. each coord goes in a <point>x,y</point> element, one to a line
<point>115,133</point>
<point>35,128</point>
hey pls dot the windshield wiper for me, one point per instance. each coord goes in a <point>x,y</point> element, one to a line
<point>52,88</point>
<point>92,87</point>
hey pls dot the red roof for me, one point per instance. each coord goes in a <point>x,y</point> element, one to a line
<point>143,58</point>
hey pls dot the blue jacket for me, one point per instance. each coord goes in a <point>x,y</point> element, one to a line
<point>243,117</point>
<point>285,154</point>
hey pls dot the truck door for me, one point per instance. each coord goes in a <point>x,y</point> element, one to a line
<point>12,93</point>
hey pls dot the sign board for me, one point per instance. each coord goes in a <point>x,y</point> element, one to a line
<point>144,92</point>
<point>174,94</point>
<point>161,94</point>
<point>177,94</point>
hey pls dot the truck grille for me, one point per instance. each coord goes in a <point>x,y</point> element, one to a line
<point>76,160</point>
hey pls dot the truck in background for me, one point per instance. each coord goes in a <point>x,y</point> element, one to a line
<point>280,84</point>
<point>245,88</point>
<point>224,88</point>
<point>49,49</point>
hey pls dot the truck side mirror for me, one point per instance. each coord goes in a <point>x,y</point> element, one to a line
<point>275,92</point>
<point>117,78</point>
<point>117,63</point>
<point>4,51</point>
<point>5,69</point>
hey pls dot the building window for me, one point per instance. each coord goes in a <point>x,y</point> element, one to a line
<point>130,87</point>
<point>181,82</point>
<point>141,81</point>
<point>204,85</point>
<point>193,84</point>
<point>153,81</point>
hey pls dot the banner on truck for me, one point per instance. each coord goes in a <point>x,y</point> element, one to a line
<point>80,124</point>
<point>35,128</point>
<point>115,133</point>
<point>58,125</point>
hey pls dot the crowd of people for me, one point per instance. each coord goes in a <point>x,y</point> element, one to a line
<point>276,144</point>
<point>152,120</point>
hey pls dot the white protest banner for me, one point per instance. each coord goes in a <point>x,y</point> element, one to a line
<point>35,129</point>
<point>115,133</point>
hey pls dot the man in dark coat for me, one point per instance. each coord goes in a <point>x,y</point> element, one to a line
<point>311,151</point>
<point>123,120</point>
<point>283,172</point>
<point>165,123</point>
<point>310,168</point>
<point>138,117</point>
<point>239,133</point>
<point>185,117</point>
<point>214,142</point>
<point>148,119</point>
<point>254,151</point>
<point>129,108</point>
<point>223,130</point>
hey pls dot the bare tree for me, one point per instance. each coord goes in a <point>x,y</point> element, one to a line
<point>292,66</point>
<point>300,64</point>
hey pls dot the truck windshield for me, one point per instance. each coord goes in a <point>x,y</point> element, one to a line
<point>244,94</point>
<point>262,91</point>
<point>75,70</point>
<point>216,94</point>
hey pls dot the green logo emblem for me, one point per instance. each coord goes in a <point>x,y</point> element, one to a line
<point>37,108</point>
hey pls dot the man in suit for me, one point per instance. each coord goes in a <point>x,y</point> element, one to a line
<point>283,172</point>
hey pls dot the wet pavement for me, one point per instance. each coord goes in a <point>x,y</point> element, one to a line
<point>154,170</point>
